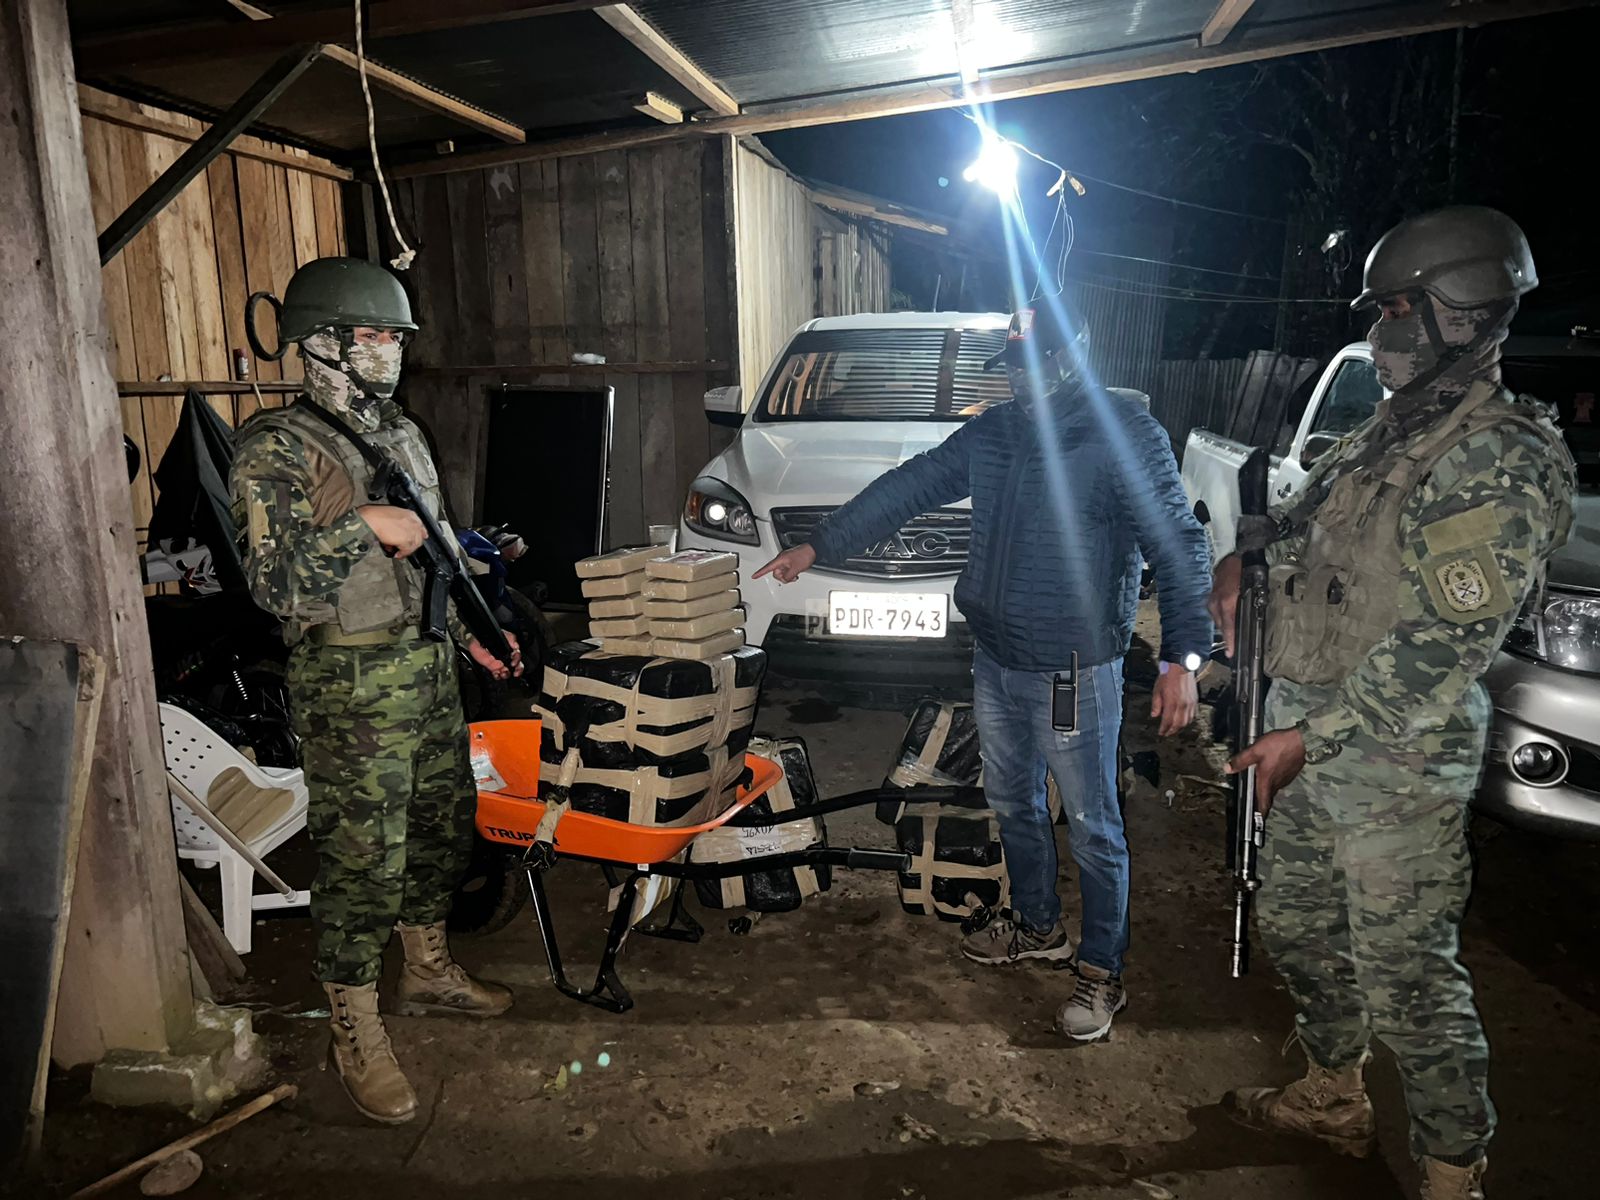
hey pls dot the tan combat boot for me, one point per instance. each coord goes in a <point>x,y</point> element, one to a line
<point>362,1056</point>
<point>434,984</point>
<point>1441,1181</point>
<point>1331,1106</point>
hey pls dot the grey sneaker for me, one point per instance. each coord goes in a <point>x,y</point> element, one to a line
<point>1098,998</point>
<point>1006,940</point>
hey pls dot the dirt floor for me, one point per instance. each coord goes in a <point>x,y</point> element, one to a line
<point>847,1050</point>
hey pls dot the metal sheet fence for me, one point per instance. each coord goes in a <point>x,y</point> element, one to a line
<point>1243,398</point>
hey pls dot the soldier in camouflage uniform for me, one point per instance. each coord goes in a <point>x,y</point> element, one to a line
<point>375,702</point>
<point>1396,573</point>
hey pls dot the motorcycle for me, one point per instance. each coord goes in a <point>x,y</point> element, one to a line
<point>490,550</point>
<point>221,658</point>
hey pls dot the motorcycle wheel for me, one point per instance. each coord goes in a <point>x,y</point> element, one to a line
<point>262,714</point>
<point>491,892</point>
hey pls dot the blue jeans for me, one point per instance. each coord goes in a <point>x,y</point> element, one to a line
<point>1013,714</point>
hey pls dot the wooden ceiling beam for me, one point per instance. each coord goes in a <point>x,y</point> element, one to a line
<point>658,106</point>
<point>650,41</point>
<point>173,45</point>
<point>883,212</point>
<point>429,98</point>
<point>1252,45</point>
<point>1221,22</point>
<point>407,88</point>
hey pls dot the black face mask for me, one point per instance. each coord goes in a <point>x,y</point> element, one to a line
<point>1033,385</point>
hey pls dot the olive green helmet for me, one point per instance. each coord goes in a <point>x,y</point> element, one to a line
<point>1464,257</point>
<point>340,293</point>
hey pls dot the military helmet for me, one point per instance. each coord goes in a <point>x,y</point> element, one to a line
<point>1464,257</point>
<point>342,293</point>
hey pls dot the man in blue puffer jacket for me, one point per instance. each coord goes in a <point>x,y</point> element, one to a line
<point>1070,486</point>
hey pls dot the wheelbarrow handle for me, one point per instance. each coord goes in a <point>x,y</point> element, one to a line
<point>960,797</point>
<point>850,857</point>
<point>876,860</point>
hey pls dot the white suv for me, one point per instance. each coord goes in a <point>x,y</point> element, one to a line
<point>848,399</point>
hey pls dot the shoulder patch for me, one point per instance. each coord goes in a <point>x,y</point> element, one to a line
<point>1466,585</point>
<point>1473,527</point>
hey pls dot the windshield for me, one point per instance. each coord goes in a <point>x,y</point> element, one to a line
<point>1570,383</point>
<point>886,375</point>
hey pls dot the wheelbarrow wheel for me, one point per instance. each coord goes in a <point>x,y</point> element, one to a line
<point>491,892</point>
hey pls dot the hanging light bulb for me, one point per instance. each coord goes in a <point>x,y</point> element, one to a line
<point>996,165</point>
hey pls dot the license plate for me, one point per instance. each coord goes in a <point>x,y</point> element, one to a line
<point>888,614</point>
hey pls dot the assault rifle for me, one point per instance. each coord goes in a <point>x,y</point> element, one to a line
<point>438,558</point>
<point>1246,827</point>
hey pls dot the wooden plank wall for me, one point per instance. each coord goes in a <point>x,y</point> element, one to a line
<point>624,254</point>
<point>175,295</point>
<point>796,261</point>
<point>852,269</point>
<point>777,262</point>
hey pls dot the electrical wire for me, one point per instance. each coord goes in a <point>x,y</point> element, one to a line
<point>1051,285</point>
<point>1071,174</point>
<point>1185,294</point>
<point>1149,195</point>
<point>401,261</point>
<point>1178,266</point>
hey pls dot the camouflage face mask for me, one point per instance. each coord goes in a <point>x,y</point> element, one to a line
<point>377,365</point>
<point>1400,349</point>
<point>350,378</point>
<point>1463,345</point>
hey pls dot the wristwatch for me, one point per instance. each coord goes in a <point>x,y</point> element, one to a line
<point>1189,662</point>
<point>1318,749</point>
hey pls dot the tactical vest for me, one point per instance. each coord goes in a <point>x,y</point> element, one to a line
<point>1331,605</point>
<point>380,592</point>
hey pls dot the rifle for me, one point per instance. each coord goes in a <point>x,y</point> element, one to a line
<point>1246,827</point>
<point>445,575</point>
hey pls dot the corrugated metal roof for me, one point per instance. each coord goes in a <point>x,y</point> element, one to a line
<point>542,72</point>
<point>569,72</point>
<point>792,48</point>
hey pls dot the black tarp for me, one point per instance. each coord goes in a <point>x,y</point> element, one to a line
<point>193,503</point>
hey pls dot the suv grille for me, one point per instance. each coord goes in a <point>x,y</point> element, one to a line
<point>933,544</point>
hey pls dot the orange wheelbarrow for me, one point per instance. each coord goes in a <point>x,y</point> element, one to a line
<point>510,813</point>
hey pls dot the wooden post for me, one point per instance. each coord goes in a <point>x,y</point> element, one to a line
<point>66,523</point>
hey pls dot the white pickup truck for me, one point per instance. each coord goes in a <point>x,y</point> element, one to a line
<point>1345,396</point>
<point>1543,769</point>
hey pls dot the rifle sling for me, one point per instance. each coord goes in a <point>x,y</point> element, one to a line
<point>336,423</point>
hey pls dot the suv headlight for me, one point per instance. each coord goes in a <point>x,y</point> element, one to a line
<point>1562,629</point>
<point>716,510</point>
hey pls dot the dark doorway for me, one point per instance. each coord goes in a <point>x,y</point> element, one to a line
<point>546,478</point>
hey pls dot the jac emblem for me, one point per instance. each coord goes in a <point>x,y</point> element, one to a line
<point>926,543</point>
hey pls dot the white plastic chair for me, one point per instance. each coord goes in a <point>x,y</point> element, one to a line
<point>196,755</point>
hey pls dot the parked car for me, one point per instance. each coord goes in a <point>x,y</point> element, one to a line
<point>848,399</point>
<point>1543,768</point>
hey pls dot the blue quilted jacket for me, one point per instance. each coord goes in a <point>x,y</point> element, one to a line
<point>1064,504</point>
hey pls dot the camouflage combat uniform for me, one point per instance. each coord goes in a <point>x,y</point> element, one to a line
<point>376,705</point>
<point>1366,869</point>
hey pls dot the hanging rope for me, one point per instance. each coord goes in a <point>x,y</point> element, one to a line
<point>402,261</point>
